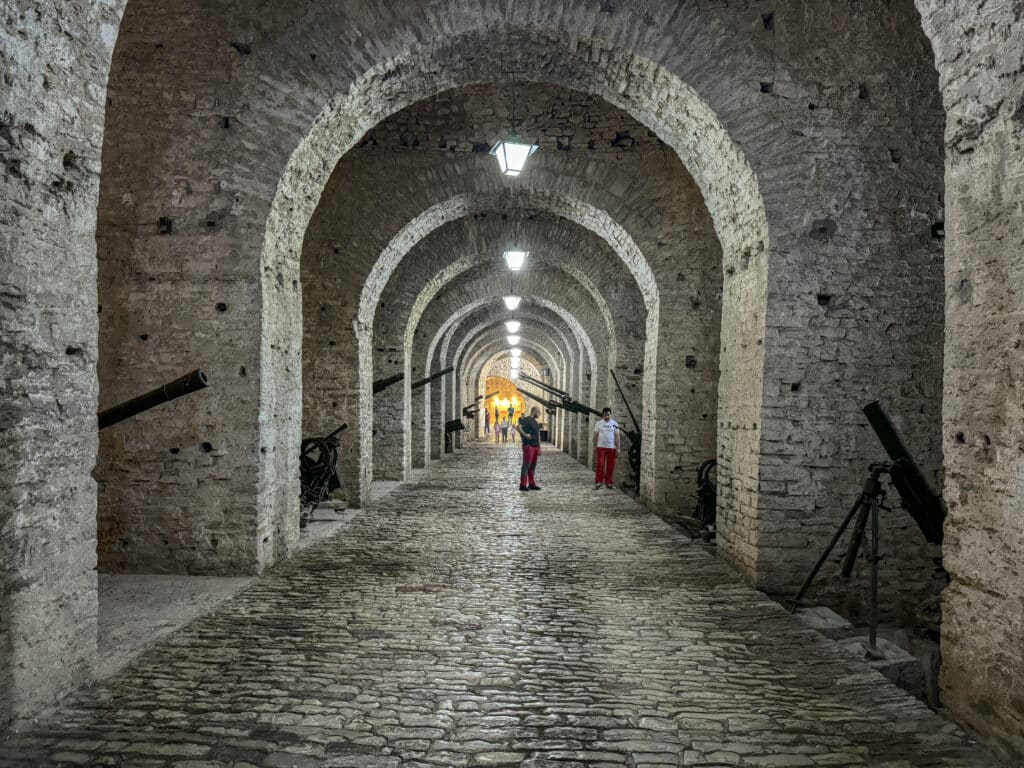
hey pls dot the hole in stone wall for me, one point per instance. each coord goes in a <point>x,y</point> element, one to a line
<point>175,451</point>
<point>73,350</point>
<point>894,156</point>
<point>691,361</point>
<point>960,438</point>
<point>70,161</point>
<point>768,19</point>
<point>165,225</point>
<point>862,91</point>
<point>794,387</point>
<point>939,230</point>
<point>242,371</point>
<point>144,337</point>
<point>767,87</point>
<point>225,122</point>
<point>242,48</point>
<point>221,306</point>
<point>824,300</point>
<point>207,447</point>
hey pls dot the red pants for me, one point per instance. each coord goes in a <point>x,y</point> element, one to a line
<point>605,466</point>
<point>530,454</point>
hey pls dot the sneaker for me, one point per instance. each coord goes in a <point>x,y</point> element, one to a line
<point>533,488</point>
<point>610,486</point>
<point>597,486</point>
<point>523,488</point>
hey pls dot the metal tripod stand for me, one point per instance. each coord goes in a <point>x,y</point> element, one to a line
<point>867,505</point>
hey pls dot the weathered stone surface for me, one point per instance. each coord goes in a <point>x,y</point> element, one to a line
<point>459,622</point>
<point>979,53</point>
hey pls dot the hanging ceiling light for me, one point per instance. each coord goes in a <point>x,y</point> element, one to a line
<point>512,154</point>
<point>512,303</point>
<point>512,340</point>
<point>515,259</point>
<point>515,352</point>
<point>515,373</point>
<point>512,326</point>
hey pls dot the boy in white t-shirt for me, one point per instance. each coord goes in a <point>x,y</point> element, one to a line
<point>607,442</point>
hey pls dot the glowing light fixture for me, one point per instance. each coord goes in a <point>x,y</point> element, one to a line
<point>512,303</point>
<point>516,259</point>
<point>512,154</point>
<point>512,326</point>
<point>515,373</point>
<point>515,352</point>
<point>514,362</point>
<point>512,340</point>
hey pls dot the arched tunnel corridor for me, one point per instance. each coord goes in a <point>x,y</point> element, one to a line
<point>384,238</point>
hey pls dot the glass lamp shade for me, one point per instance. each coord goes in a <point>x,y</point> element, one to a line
<point>512,154</point>
<point>512,340</point>
<point>515,352</point>
<point>512,303</point>
<point>516,259</point>
<point>515,373</point>
<point>512,326</point>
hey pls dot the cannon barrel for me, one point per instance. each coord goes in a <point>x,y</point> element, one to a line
<point>455,425</point>
<point>546,387</point>
<point>432,377</point>
<point>567,402</point>
<point>622,394</point>
<point>381,384</point>
<point>921,502</point>
<point>188,383</point>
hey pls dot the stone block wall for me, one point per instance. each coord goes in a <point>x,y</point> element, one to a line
<point>54,74</point>
<point>979,53</point>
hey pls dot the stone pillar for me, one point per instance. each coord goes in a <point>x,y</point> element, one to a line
<point>978,53</point>
<point>52,134</point>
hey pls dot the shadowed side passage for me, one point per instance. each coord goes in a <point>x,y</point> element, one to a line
<point>459,622</point>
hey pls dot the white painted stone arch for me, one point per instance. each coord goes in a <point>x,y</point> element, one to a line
<point>651,93</point>
<point>445,333</point>
<point>465,263</point>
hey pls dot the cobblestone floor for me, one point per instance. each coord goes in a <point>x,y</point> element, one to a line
<point>460,622</point>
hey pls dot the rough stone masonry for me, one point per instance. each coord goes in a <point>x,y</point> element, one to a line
<point>819,203</point>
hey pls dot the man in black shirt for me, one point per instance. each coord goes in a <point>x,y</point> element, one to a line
<point>529,429</point>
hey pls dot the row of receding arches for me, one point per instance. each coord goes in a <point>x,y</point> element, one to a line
<point>756,264</point>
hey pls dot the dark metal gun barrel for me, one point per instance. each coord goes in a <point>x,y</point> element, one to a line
<point>432,377</point>
<point>920,501</point>
<point>546,387</point>
<point>188,383</point>
<point>625,400</point>
<point>381,384</point>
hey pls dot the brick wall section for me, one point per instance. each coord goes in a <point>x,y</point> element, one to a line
<point>54,73</point>
<point>979,53</point>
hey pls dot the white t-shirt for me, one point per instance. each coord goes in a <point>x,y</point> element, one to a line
<point>605,431</point>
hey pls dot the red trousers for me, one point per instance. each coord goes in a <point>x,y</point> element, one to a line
<point>605,466</point>
<point>530,454</point>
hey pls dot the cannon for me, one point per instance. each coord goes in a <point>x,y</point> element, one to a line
<point>185,385</point>
<point>450,427</point>
<point>381,384</point>
<point>432,377</point>
<point>470,411</point>
<point>635,436</point>
<point>319,472</point>
<point>549,407</point>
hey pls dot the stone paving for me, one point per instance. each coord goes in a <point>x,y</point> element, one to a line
<point>459,622</point>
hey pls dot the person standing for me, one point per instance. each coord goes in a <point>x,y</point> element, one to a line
<point>487,422</point>
<point>504,430</point>
<point>607,442</point>
<point>529,429</point>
